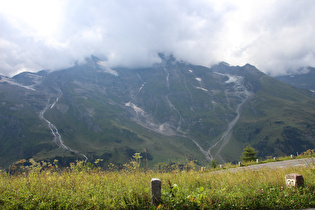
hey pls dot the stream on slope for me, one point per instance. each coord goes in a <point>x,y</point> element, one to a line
<point>171,105</point>
<point>238,90</point>
<point>227,134</point>
<point>57,137</point>
<point>241,92</point>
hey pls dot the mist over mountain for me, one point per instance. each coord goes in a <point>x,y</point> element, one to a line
<point>272,35</point>
<point>172,111</point>
<point>304,78</point>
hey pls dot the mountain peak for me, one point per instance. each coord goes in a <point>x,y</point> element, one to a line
<point>95,59</point>
<point>249,66</point>
<point>167,58</point>
<point>223,63</point>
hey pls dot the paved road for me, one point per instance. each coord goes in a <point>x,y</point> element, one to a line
<point>279,164</point>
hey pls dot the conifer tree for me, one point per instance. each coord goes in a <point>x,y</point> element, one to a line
<point>213,163</point>
<point>249,154</point>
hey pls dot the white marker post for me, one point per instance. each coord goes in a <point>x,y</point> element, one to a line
<point>155,191</point>
<point>294,180</point>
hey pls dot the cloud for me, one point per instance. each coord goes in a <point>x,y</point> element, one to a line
<point>275,36</point>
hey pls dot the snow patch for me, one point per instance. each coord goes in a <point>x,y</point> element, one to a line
<point>162,127</point>
<point>165,129</point>
<point>107,69</point>
<point>8,80</point>
<point>142,86</point>
<point>37,79</point>
<point>233,79</point>
<point>238,80</point>
<point>201,88</point>
<point>137,109</point>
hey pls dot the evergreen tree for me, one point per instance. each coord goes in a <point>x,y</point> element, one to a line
<point>213,163</point>
<point>249,154</point>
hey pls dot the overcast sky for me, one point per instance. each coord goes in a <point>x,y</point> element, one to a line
<point>275,36</point>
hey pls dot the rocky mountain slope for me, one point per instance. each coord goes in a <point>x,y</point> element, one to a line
<point>170,112</point>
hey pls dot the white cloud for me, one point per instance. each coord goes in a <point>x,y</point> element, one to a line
<point>273,35</point>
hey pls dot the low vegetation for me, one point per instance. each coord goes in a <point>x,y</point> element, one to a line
<point>40,185</point>
<point>307,154</point>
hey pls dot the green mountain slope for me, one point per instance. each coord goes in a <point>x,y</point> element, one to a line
<point>22,134</point>
<point>170,112</point>
<point>278,120</point>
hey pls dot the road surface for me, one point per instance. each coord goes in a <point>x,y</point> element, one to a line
<point>278,164</point>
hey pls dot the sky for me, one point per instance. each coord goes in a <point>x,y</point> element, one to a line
<point>276,36</point>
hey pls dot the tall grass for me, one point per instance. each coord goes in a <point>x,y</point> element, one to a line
<point>82,187</point>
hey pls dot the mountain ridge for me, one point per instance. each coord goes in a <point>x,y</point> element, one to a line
<point>172,111</point>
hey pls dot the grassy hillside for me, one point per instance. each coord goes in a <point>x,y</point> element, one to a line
<point>84,187</point>
<point>22,133</point>
<point>277,121</point>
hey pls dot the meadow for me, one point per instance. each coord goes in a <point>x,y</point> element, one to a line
<point>41,185</point>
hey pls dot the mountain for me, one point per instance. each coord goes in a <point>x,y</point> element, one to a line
<point>170,112</point>
<point>304,78</point>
